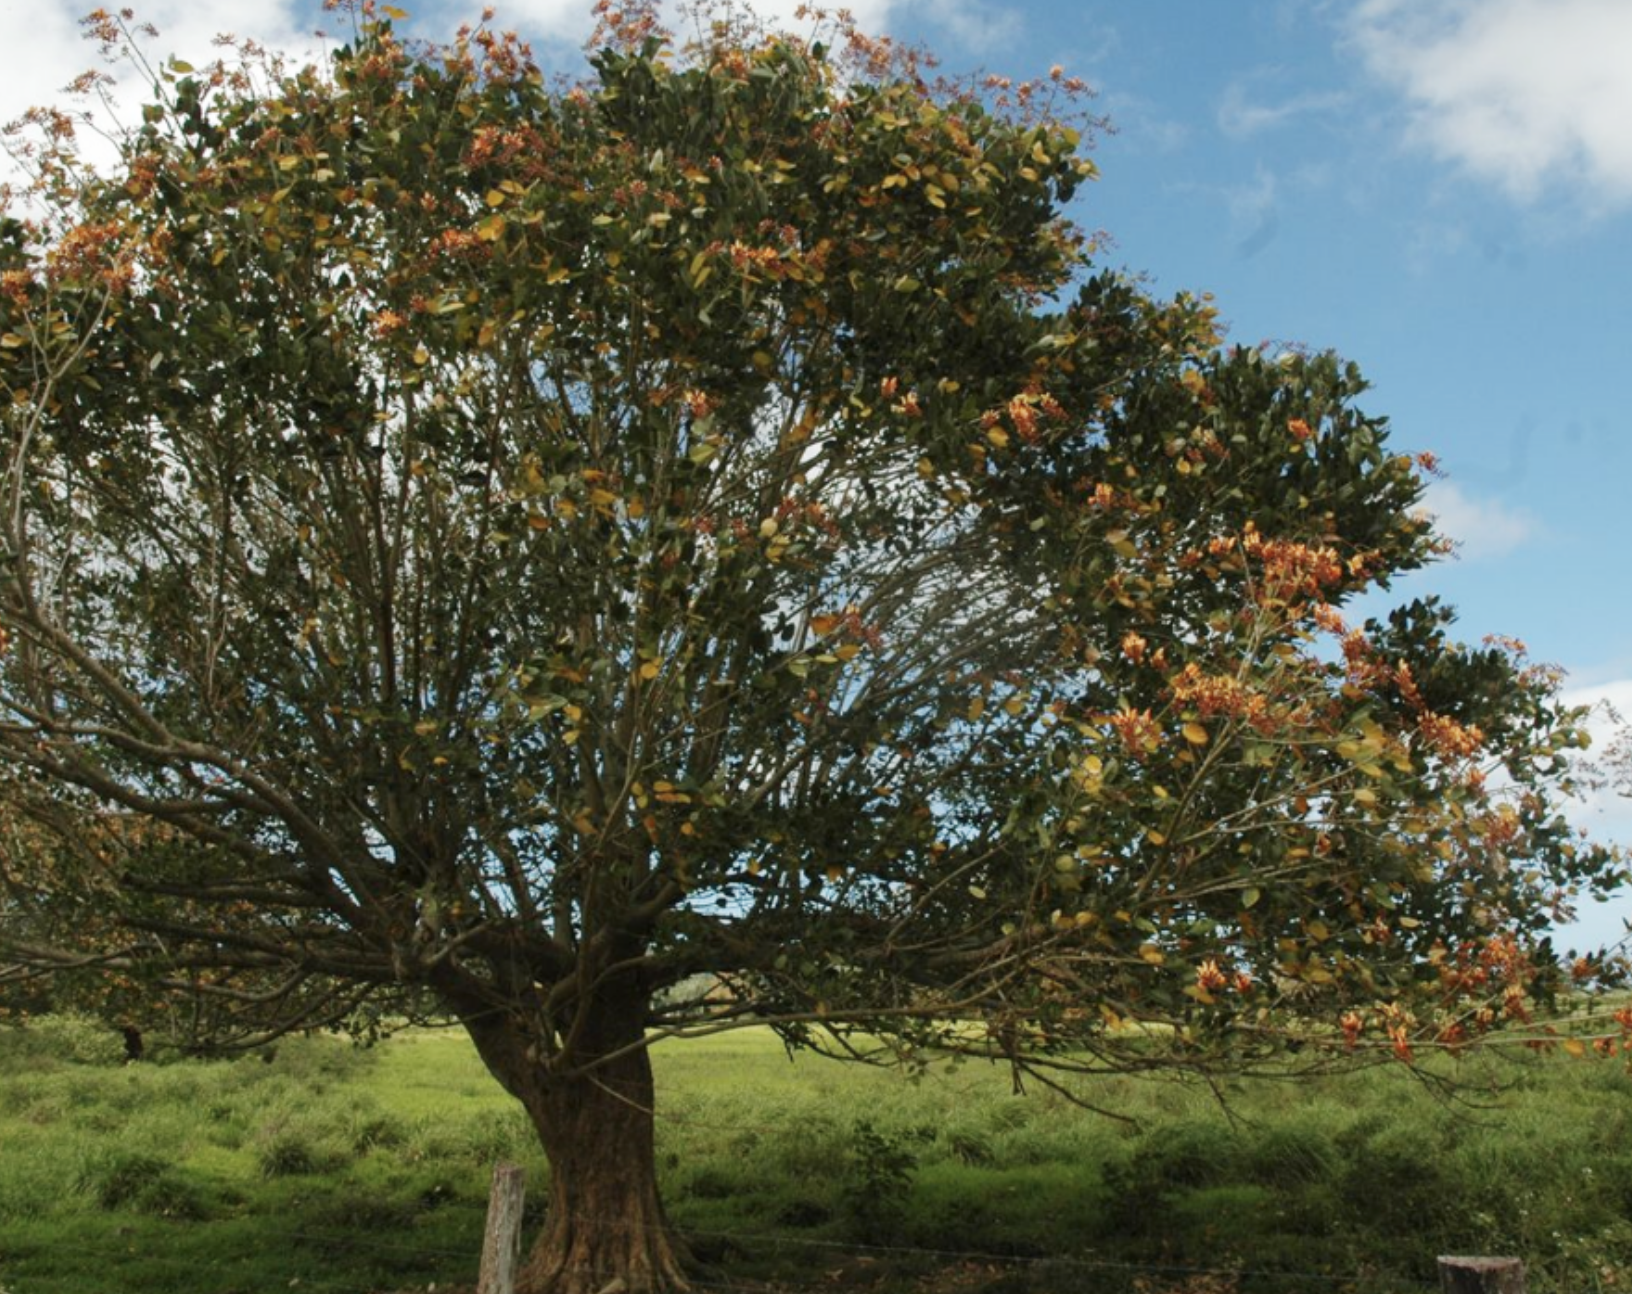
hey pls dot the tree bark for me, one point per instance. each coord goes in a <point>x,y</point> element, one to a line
<point>605,1221</point>
<point>604,1228</point>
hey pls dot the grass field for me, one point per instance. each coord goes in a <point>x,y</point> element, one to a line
<point>349,1171</point>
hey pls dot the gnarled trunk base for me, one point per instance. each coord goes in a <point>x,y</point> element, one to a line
<point>605,1229</point>
<point>605,1222</point>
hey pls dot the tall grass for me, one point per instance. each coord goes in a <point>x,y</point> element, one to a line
<point>330,1168</point>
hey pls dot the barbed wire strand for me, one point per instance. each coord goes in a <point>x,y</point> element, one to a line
<point>779,1241</point>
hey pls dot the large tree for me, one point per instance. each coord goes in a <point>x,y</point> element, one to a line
<point>482,546</point>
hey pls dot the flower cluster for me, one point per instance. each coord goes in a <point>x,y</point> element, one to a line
<point>1450,739</point>
<point>1293,569</point>
<point>504,146</point>
<point>1137,729</point>
<point>15,286</point>
<point>457,242</point>
<point>1215,695</point>
<point>1212,978</point>
<point>93,253</point>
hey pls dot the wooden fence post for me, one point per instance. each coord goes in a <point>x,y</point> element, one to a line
<point>501,1239</point>
<point>1481,1276</point>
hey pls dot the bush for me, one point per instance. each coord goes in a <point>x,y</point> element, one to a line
<point>69,1037</point>
<point>879,1168</point>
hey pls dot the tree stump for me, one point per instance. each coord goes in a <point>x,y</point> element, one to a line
<point>1481,1276</point>
<point>501,1239</point>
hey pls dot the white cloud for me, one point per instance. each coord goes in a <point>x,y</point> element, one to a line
<point>569,23</point>
<point>1482,528</point>
<point>975,25</point>
<point>1530,95</point>
<point>42,49</point>
<point>1239,118</point>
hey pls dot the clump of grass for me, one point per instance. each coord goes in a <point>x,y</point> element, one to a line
<point>142,1183</point>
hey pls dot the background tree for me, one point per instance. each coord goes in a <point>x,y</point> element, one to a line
<point>519,549</point>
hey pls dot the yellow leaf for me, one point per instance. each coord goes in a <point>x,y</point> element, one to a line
<point>494,198</point>
<point>649,669</point>
<point>1575,1047</point>
<point>1152,954</point>
<point>1365,795</point>
<point>1195,734</point>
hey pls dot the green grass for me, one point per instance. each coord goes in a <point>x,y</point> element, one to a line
<point>335,1169</point>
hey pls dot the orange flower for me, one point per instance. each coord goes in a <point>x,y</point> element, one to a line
<point>1139,732</point>
<point>1209,978</point>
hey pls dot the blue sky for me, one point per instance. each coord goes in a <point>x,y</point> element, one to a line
<point>1441,190</point>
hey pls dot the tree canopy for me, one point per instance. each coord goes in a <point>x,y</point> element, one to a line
<point>503,550</point>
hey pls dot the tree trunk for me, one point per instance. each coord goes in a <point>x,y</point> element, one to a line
<point>605,1221</point>
<point>605,1229</point>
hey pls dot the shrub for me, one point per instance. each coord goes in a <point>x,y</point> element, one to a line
<point>69,1037</point>
<point>879,1168</point>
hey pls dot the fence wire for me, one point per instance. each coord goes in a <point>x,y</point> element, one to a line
<point>1066,1273</point>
